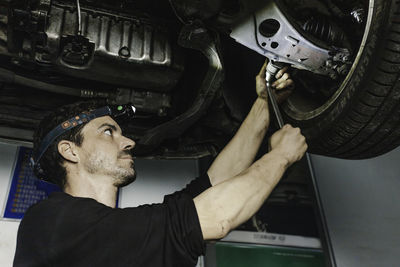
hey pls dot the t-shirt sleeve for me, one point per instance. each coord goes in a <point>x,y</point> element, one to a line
<point>170,230</point>
<point>183,225</point>
<point>196,186</point>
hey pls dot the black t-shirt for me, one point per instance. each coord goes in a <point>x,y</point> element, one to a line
<point>72,231</point>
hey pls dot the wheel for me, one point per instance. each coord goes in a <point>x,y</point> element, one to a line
<point>360,117</point>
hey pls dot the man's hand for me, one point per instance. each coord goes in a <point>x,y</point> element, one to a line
<point>289,142</point>
<point>283,85</point>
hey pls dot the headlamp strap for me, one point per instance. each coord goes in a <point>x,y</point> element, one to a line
<point>65,126</point>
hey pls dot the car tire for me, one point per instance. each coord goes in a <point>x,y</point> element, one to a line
<point>364,119</point>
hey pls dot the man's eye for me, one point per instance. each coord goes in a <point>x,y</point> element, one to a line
<point>108,132</point>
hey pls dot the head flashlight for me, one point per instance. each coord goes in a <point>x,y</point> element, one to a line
<point>116,112</point>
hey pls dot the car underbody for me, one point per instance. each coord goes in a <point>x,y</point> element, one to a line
<point>185,65</point>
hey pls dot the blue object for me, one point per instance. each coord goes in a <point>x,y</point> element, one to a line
<point>25,189</point>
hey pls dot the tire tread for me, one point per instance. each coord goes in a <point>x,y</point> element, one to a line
<point>371,124</point>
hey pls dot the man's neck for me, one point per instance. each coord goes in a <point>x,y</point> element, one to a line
<point>98,188</point>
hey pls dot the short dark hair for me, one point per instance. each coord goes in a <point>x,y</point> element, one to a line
<point>51,161</point>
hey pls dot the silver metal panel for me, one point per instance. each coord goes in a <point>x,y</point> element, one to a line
<point>292,47</point>
<point>361,200</point>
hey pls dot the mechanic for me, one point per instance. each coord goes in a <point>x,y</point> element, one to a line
<point>81,225</point>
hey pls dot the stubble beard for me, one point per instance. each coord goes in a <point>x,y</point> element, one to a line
<point>122,176</point>
<point>127,176</point>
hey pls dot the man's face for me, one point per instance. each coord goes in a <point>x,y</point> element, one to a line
<point>106,151</point>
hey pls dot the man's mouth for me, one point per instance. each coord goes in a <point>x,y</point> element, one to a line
<point>126,157</point>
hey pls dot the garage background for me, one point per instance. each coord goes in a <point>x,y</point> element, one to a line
<point>360,199</point>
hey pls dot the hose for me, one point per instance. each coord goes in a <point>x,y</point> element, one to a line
<point>10,77</point>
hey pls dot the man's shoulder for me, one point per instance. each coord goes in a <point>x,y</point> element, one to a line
<point>62,210</point>
<point>58,203</point>
<point>45,206</point>
<point>54,199</point>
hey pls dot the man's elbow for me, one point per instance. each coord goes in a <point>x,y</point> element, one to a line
<point>225,228</point>
<point>220,230</point>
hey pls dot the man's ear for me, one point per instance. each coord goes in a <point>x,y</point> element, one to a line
<point>68,151</point>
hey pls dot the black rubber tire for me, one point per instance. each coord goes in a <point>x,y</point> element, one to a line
<point>364,121</point>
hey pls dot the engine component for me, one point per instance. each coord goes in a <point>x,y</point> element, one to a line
<point>112,48</point>
<point>76,51</point>
<point>194,36</point>
<point>324,29</point>
<point>3,32</point>
<point>78,11</point>
<point>358,14</point>
<point>188,10</point>
<point>12,78</point>
<point>149,102</point>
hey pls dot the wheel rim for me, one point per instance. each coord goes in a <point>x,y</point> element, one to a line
<point>299,108</point>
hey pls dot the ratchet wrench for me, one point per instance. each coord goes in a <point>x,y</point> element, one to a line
<point>270,72</point>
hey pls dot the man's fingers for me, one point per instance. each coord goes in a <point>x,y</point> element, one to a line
<point>285,76</point>
<point>285,84</point>
<point>281,72</point>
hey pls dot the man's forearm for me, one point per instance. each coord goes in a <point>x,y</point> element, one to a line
<point>240,152</point>
<point>225,206</point>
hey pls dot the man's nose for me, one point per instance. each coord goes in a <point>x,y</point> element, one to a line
<point>127,143</point>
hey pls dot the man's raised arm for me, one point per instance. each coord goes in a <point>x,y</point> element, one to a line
<point>228,204</point>
<point>240,152</point>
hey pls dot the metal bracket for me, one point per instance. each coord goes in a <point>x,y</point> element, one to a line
<point>270,33</point>
<point>194,36</point>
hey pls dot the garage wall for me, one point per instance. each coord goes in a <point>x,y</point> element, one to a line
<point>361,199</point>
<point>8,228</point>
<point>155,179</point>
